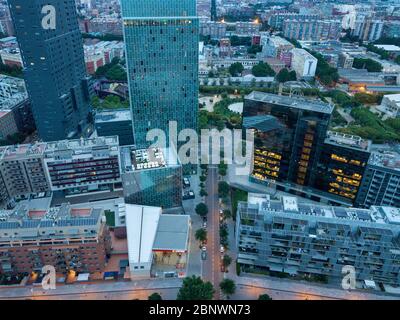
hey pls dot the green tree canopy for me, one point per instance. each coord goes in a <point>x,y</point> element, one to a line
<point>223,189</point>
<point>236,69</point>
<point>201,209</point>
<point>226,260</point>
<point>369,64</point>
<point>228,287</point>
<point>262,70</point>
<point>194,288</point>
<point>201,235</point>
<point>155,296</point>
<point>264,297</point>
<point>284,75</point>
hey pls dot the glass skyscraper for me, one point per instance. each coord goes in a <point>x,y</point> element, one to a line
<point>55,71</point>
<point>161,40</point>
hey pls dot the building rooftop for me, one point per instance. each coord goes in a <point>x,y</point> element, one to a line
<point>141,227</point>
<point>147,159</point>
<point>78,145</point>
<point>172,233</point>
<point>388,159</point>
<point>63,221</point>
<point>293,102</point>
<point>290,205</point>
<point>346,140</point>
<point>113,115</point>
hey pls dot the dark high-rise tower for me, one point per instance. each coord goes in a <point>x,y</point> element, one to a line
<point>55,71</point>
<point>213,10</point>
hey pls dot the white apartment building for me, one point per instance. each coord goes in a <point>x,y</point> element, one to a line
<point>304,63</point>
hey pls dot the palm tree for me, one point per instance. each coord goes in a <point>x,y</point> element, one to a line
<point>228,287</point>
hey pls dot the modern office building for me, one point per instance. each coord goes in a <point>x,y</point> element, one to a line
<point>115,123</point>
<point>151,177</point>
<point>341,166</point>
<point>286,236</point>
<point>55,72</point>
<point>64,237</point>
<point>162,41</point>
<point>289,135</point>
<point>381,182</point>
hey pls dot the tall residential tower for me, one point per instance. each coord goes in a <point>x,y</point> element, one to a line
<point>55,72</point>
<point>161,40</point>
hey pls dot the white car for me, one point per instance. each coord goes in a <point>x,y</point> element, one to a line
<point>204,224</point>
<point>203,248</point>
<point>222,249</point>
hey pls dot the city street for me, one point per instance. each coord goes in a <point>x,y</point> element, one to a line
<point>211,266</point>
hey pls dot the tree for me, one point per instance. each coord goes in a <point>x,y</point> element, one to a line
<point>227,214</point>
<point>226,260</point>
<point>228,287</point>
<point>325,73</point>
<point>264,297</point>
<point>201,209</point>
<point>194,288</point>
<point>236,69</point>
<point>155,296</point>
<point>201,235</point>
<point>203,192</point>
<point>255,48</point>
<point>223,189</point>
<point>369,64</point>
<point>283,75</point>
<point>262,70</point>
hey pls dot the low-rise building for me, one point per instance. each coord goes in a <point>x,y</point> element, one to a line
<point>295,238</point>
<point>68,239</point>
<point>390,105</point>
<point>157,243</point>
<point>11,57</point>
<point>115,123</point>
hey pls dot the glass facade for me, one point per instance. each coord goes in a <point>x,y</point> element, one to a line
<point>288,140</point>
<point>340,170</point>
<point>161,40</point>
<point>55,71</point>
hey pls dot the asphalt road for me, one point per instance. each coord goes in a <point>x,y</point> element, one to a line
<point>211,266</point>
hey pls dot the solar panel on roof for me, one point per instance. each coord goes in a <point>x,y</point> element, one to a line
<point>340,213</point>
<point>46,223</point>
<point>363,215</point>
<point>9,225</point>
<point>276,206</point>
<point>30,223</point>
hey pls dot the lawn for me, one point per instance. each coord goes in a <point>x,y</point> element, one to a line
<point>110,218</point>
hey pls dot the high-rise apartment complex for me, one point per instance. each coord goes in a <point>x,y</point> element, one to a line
<point>161,40</point>
<point>55,71</point>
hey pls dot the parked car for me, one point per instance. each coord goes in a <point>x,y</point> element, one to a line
<point>203,255</point>
<point>205,224</point>
<point>188,195</point>
<point>186,183</point>
<point>203,248</point>
<point>222,249</point>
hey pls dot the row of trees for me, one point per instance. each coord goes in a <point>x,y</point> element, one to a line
<point>194,288</point>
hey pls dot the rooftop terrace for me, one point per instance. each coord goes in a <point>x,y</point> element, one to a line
<point>293,102</point>
<point>290,205</point>
<point>347,140</point>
